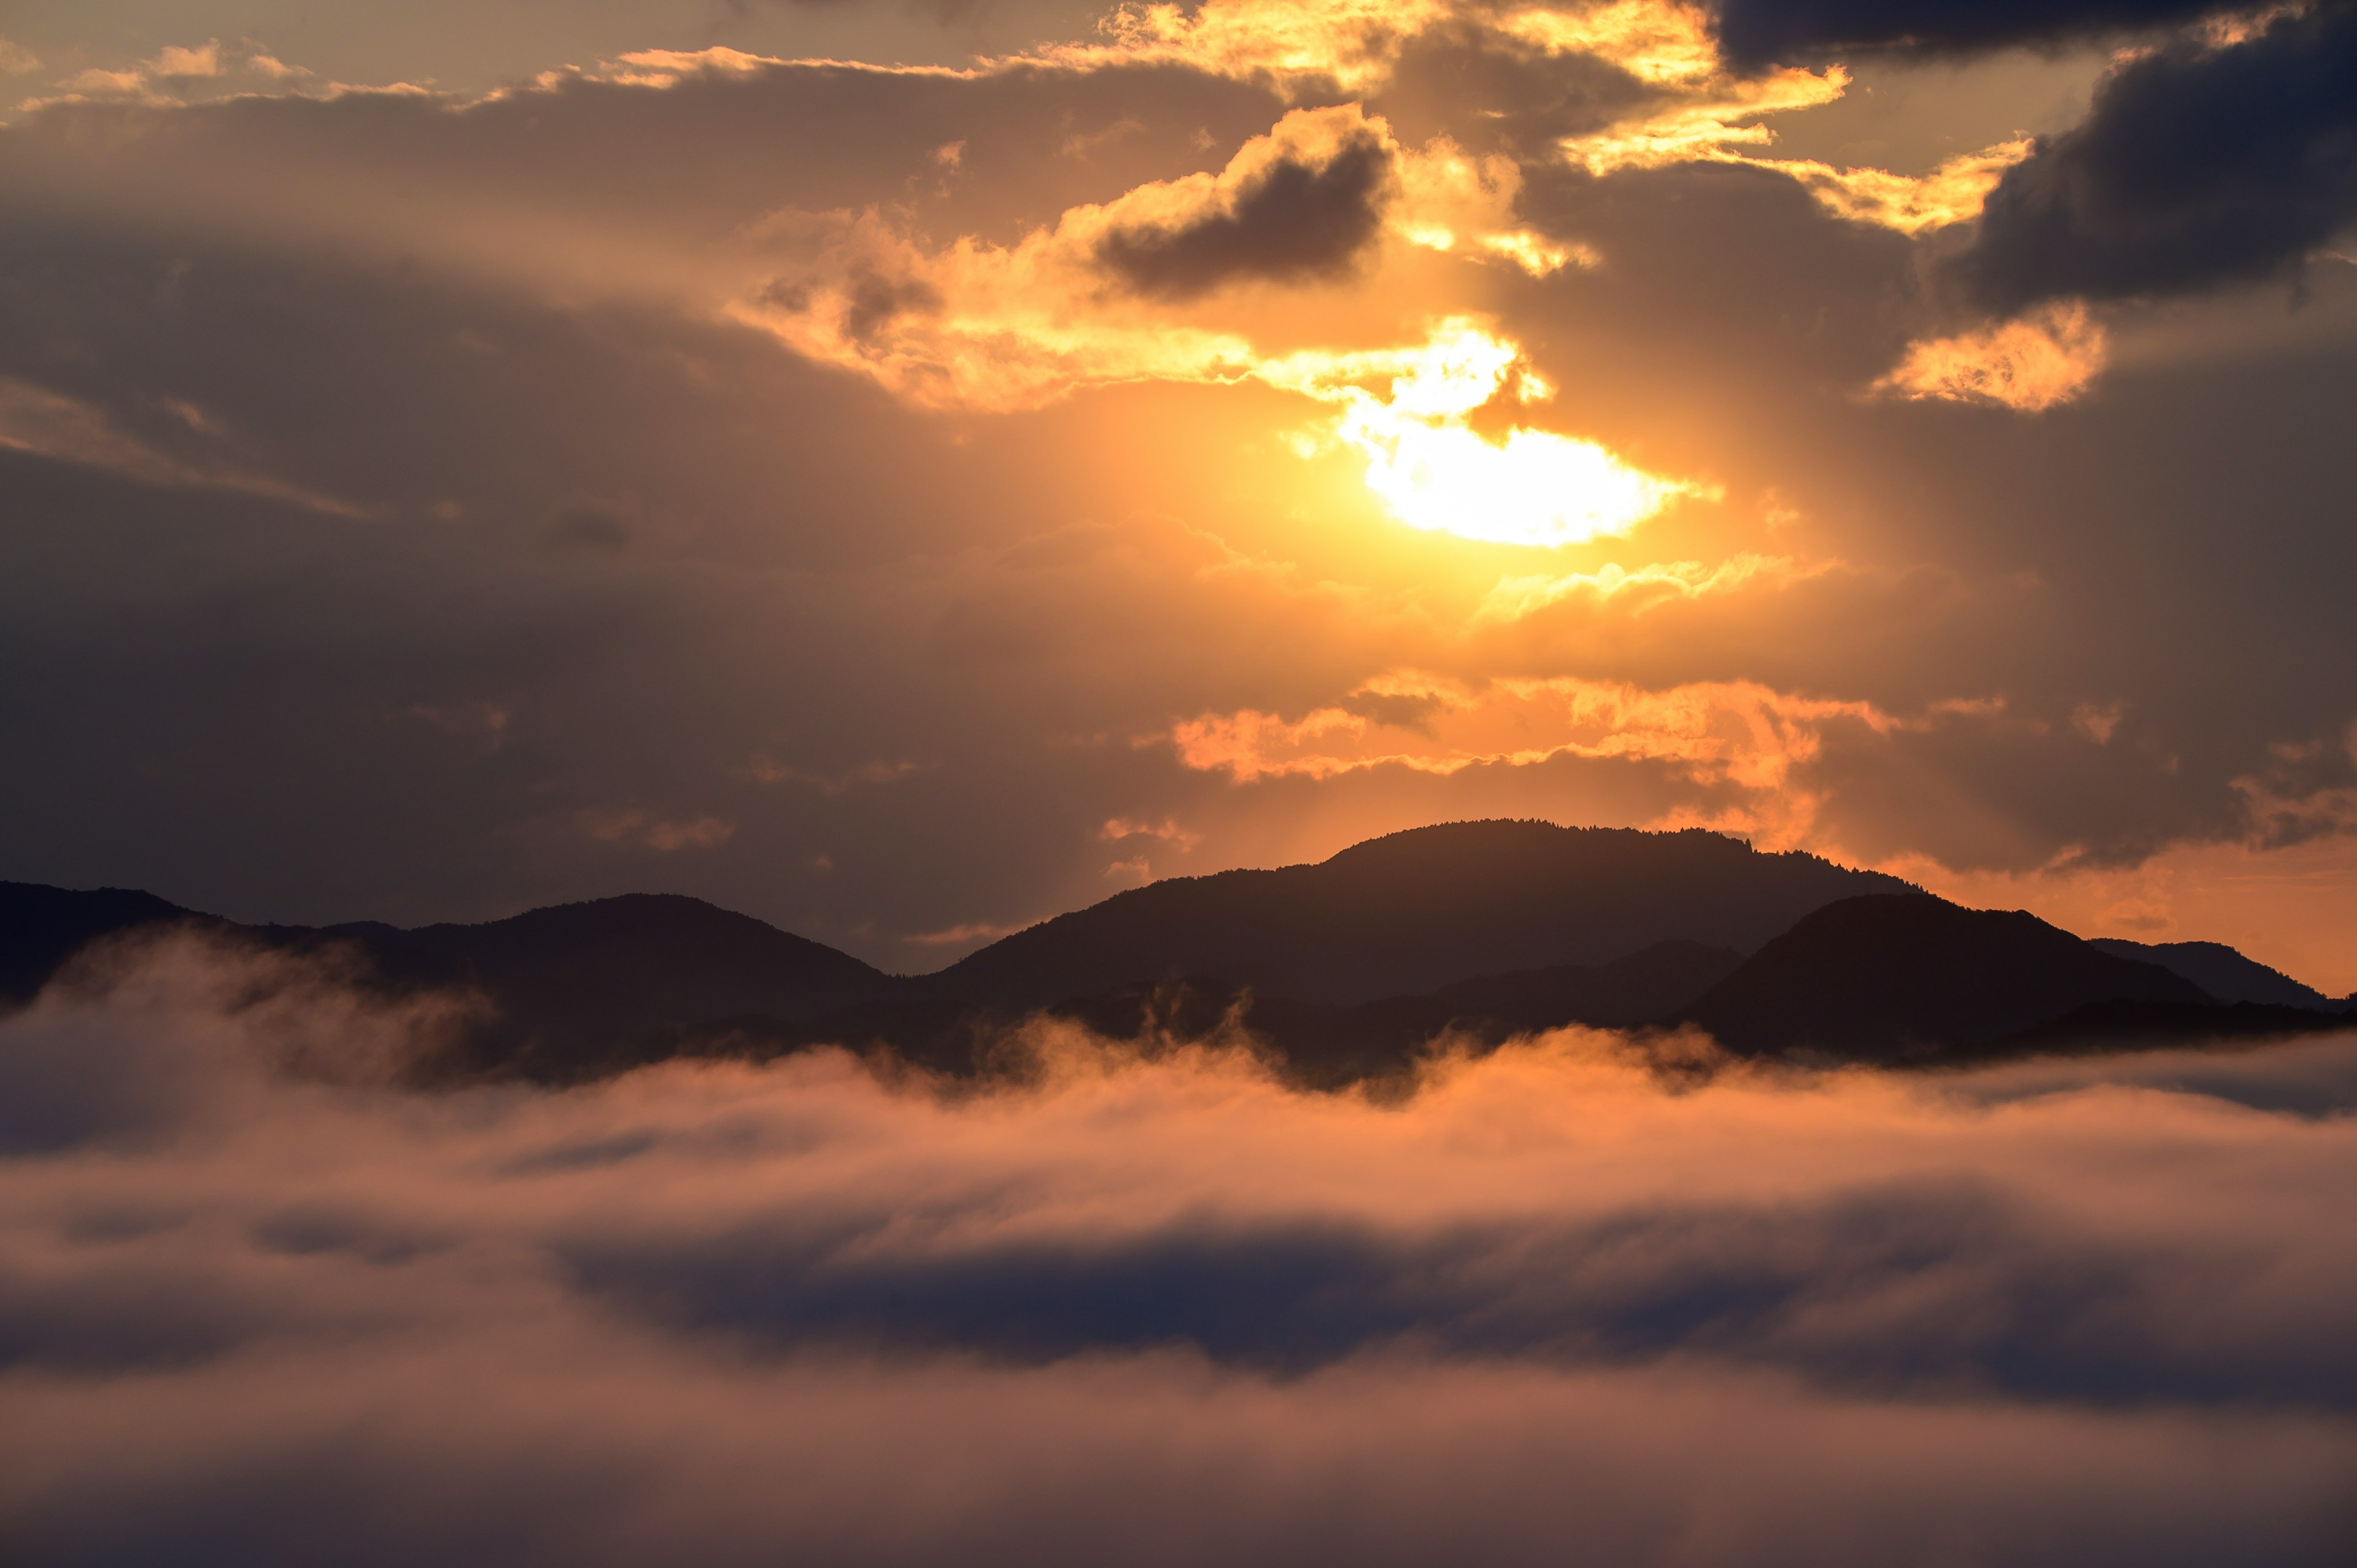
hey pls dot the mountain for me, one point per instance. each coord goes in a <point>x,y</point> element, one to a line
<point>1344,970</point>
<point>1893,976</point>
<point>575,988</point>
<point>596,977</point>
<point>41,928</point>
<point>2222,972</point>
<point>1413,911</point>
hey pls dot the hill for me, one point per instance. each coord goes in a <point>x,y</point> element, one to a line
<point>2223,973</point>
<point>1346,968</point>
<point>41,928</point>
<point>575,988</point>
<point>1413,911</point>
<point>1892,977</point>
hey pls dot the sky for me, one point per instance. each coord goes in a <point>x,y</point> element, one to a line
<point>904,470</point>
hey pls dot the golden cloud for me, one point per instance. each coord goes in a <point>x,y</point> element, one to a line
<point>2032,363</point>
<point>1739,734</point>
<point>1652,583</point>
<point>1003,328</point>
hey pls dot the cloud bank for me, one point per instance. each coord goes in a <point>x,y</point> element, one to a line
<point>1154,1307</point>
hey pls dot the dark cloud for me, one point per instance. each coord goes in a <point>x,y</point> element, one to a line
<point>1294,220</point>
<point>716,1314</point>
<point>1529,103</point>
<point>2198,166</point>
<point>1758,32</point>
<point>876,301</point>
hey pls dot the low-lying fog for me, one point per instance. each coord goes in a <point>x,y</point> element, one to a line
<point>1567,1303</point>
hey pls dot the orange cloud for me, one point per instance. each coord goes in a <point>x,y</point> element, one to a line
<point>1004,327</point>
<point>2036,362</point>
<point>1517,596</point>
<point>1738,734</point>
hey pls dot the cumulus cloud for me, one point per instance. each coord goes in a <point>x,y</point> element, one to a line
<point>1552,1301</point>
<point>2203,163</point>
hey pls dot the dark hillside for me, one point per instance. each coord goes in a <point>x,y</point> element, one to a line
<point>2221,972</point>
<point>1415,911</point>
<point>1889,977</point>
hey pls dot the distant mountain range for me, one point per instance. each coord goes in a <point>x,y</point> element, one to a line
<point>1346,968</point>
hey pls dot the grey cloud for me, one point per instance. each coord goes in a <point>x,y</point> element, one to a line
<point>1296,221</point>
<point>2198,166</point>
<point>1757,32</point>
<point>1528,101</point>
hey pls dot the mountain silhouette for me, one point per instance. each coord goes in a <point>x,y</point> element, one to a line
<point>1345,969</point>
<point>41,928</point>
<point>572,989</point>
<point>1897,976</point>
<point>579,980</point>
<point>1413,911</point>
<point>2222,972</point>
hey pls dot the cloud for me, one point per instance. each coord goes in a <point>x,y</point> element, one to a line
<point>178,62</point>
<point>954,936</point>
<point>1757,32</point>
<point>1544,1304</point>
<point>1684,105</point>
<point>47,423</point>
<point>1654,583</point>
<point>1283,218</point>
<point>940,507</point>
<point>648,830</point>
<point>2046,358</point>
<point>1751,742</point>
<point>2201,165</point>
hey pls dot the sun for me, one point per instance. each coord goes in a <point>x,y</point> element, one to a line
<point>1433,471</point>
<point>1533,487</point>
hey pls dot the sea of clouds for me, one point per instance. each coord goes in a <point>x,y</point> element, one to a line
<point>1580,1301</point>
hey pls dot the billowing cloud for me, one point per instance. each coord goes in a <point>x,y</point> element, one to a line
<point>1549,1302</point>
<point>2203,163</point>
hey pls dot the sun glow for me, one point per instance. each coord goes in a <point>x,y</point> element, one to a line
<point>1433,471</point>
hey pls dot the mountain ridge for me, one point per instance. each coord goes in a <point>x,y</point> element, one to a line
<point>1347,966</point>
<point>1414,910</point>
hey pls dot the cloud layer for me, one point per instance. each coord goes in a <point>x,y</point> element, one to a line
<point>1156,1308</point>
